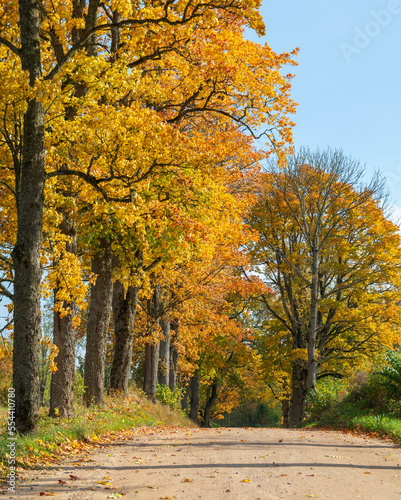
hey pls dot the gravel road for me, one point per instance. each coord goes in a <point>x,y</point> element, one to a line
<point>227,464</point>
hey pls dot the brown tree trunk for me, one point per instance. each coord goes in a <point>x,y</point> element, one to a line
<point>298,394</point>
<point>26,253</point>
<point>151,364</point>
<point>312,361</point>
<point>211,397</point>
<point>124,311</point>
<point>98,325</point>
<point>194,402</point>
<point>174,355</point>
<point>164,352</point>
<point>152,349</point>
<point>285,408</point>
<point>62,382</point>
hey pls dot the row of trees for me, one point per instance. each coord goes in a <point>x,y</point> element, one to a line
<point>130,176</point>
<point>127,147</point>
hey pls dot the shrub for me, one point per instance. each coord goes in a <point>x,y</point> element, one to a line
<point>369,394</point>
<point>168,397</point>
<point>390,375</point>
<point>79,387</point>
<point>325,397</point>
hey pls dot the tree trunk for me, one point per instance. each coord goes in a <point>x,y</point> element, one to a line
<point>298,394</point>
<point>194,403</point>
<point>151,364</point>
<point>211,397</point>
<point>164,353</point>
<point>174,355</point>
<point>124,311</point>
<point>62,382</point>
<point>312,362</point>
<point>98,325</point>
<point>152,349</point>
<point>26,253</point>
<point>285,408</point>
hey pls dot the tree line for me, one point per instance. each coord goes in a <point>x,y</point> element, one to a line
<point>132,193</point>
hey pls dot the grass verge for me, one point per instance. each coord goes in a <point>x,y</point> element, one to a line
<point>350,416</point>
<point>59,438</point>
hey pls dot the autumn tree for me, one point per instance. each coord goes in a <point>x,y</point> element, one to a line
<point>332,257</point>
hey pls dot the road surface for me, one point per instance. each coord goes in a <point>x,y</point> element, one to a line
<point>227,464</point>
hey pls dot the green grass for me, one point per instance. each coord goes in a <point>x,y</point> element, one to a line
<point>57,438</point>
<point>381,424</point>
<point>387,426</point>
<point>367,407</point>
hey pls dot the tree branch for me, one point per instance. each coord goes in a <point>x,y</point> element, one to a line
<point>10,46</point>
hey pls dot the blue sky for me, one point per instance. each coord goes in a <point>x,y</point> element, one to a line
<point>348,82</point>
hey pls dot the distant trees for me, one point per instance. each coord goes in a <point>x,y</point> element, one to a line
<point>332,258</point>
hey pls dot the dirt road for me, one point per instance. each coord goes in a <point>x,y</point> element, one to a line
<point>192,464</point>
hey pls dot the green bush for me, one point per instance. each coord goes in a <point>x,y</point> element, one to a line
<point>370,402</point>
<point>79,387</point>
<point>325,397</point>
<point>379,392</point>
<point>368,395</point>
<point>168,397</point>
<point>390,376</point>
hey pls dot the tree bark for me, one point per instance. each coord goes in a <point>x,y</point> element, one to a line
<point>174,355</point>
<point>211,398</point>
<point>194,401</point>
<point>98,325</point>
<point>151,364</point>
<point>285,408</point>
<point>26,253</point>
<point>152,349</point>
<point>62,382</point>
<point>164,353</point>
<point>124,312</point>
<point>312,362</point>
<point>298,394</point>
